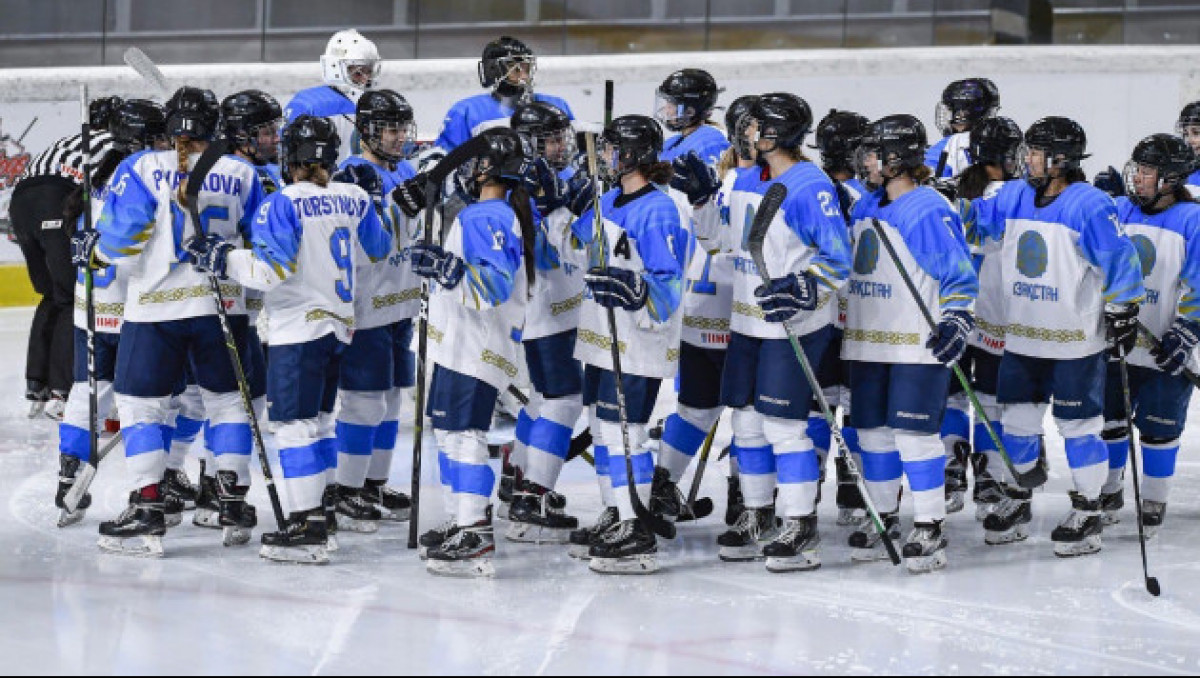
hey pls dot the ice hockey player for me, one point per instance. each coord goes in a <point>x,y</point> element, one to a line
<point>807,253</point>
<point>1073,284</point>
<point>171,319</point>
<point>898,365</point>
<point>136,125</point>
<point>253,120</point>
<point>964,104</point>
<point>306,241</point>
<point>350,66</point>
<point>684,104</point>
<point>1163,222</point>
<point>1188,127</point>
<point>378,365</point>
<point>638,246</point>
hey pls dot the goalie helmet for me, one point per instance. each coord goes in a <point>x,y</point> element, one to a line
<point>350,63</point>
<point>501,57</point>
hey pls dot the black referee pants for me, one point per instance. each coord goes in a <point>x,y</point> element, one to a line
<point>36,212</point>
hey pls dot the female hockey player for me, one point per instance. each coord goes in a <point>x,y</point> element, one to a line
<point>350,66</point>
<point>306,242</point>
<point>379,363</point>
<point>638,245</point>
<point>136,125</point>
<point>964,104</point>
<point>1069,273</point>
<point>807,253</point>
<point>684,103</point>
<point>898,376</point>
<point>170,318</point>
<point>1163,222</point>
<point>479,303</point>
<point>1188,127</point>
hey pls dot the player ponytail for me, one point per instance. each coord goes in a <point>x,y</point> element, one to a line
<point>657,173</point>
<point>973,181</point>
<point>183,151</point>
<point>314,173</point>
<point>727,161</point>
<point>921,174</point>
<point>519,201</point>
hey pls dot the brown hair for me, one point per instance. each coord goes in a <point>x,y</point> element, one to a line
<point>184,147</point>
<point>314,173</point>
<point>973,181</point>
<point>657,173</point>
<point>727,161</point>
<point>920,174</point>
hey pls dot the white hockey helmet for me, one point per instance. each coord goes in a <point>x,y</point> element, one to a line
<point>350,58</point>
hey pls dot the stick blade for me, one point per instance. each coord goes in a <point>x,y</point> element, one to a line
<point>1152,586</point>
<point>771,202</point>
<point>83,480</point>
<point>145,67</point>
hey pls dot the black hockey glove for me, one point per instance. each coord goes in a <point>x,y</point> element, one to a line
<point>694,178</point>
<point>410,195</point>
<point>1121,321</point>
<point>617,288</point>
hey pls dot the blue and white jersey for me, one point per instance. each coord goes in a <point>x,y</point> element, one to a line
<point>849,192</point>
<point>957,150</point>
<point>808,234</point>
<point>708,292</point>
<point>1193,185</point>
<point>305,243</point>
<point>388,289</point>
<point>143,227</point>
<point>990,315</point>
<point>472,115</point>
<point>1168,247</point>
<point>1061,264</point>
<point>270,176</point>
<point>327,102</point>
<point>108,284</point>
<point>706,141</point>
<point>475,328</point>
<point>645,232</point>
<point>883,324</point>
<point>558,290</point>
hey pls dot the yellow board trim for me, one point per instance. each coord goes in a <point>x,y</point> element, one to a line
<point>15,287</point>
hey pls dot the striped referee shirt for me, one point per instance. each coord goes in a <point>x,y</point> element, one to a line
<point>65,157</point>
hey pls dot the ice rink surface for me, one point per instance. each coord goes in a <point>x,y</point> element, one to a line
<point>66,608</point>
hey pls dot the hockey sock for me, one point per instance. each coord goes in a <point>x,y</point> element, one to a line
<point>1088,458</point>
<point>881,467</point>
<point>956,424</point>
<point>182,437</point>
<point>386,434</point>
<point>1158,461</point>
<point>796,464</point>
<point>924,460</point>
<point>550,439</point>
<point>303,460</point>
<point>1118,457</point>
<point>640,460</point>
<point>473,478</point>
<point>821,436</point>
<point>683,435</point>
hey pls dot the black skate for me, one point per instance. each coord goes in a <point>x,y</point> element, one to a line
<point>735,503</point>
<point>237,517</point>
<point>1111,503</point>
<point>179,485</point>
<point>1009,519</point>
<point>668,502</point>
<point>467,552</point>
<point>956,477</point>
<point>583,539</point>
<point>172,508</point>
<point>354,513</point>
<point>1153,513</point>
<point>797,548</point>
<point>851,508</point>
<point>434,538</point>
<point>629,547</point>
<point>1079,533</point>
<point>866,544</point>
<point>139,530</point>
<point>925,549</point>
<point>987,494</point>
<point>744,542</point>
<point>509,476</point>
<point>208,508</point>
<point>534,521</point>
<point>68,469</point>
<point>394,506</point>
<point>329,503</point>
<point>302,540</point>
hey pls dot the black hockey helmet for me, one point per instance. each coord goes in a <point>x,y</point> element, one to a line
<point>629,142</point>
<point>194,113</point>
<point>782,117</point>
<point>966,102</point>
<point>838,136</point>
<point>1188,125</point>
<point>733,118</point>
<point>685,99</point>
<point>244,114</point>
<point>310,140</point>
<point>548,131</point>
<point>381,110</point>
<point>1170,159</point>
<point>137,124</point>
<point>100,112</point>
<point>1063,143</point>
<point>889,146</point>
<point>500,56</point>
<point>996,141</point>
<point>505,160</point>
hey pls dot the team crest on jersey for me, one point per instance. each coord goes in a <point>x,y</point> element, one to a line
<point>1032,254</point>
<point>1146,253</point>
<point>866,255</point>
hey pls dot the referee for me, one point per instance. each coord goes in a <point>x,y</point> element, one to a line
<point>36,212</point>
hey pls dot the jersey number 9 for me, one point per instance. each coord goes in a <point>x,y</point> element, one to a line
<point>339,247</point>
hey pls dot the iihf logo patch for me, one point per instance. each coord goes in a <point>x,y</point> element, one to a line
<point>1146,253</point>
<point>866,256</point>
<point>1032,255</point>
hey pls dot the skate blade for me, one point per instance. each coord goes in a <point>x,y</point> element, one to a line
<point>1073,549</point>
<point>1018,533</point>
<point>67,518</point>
<point>332,545</point>
<point>172,520</point>
<point>463,569</point>
<point>955,503</point>
<point>301,555</point>
<point>357,526</point>
<point>524,533</point>
<point>578,552</point>
<point>1110,518</point>
<point>805,561</point>
<point>870,555</point>
<point>423,553</point>
<point>396,516</point>
<point>637,565</point>
<point>138,547</point>
<point>35,410</point>
<point>207,519</point>
<point>741,554</point>
<point>926,564</point>
<point>236,536</point>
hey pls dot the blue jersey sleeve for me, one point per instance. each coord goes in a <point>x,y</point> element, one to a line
<point>1189,303</point>
<point>984,219</point>
<point>455,129</point>
<point>252,200</point>
<point>815,216</point>
<point>662,243</point>
<point>937,244</point>
<point>933,155</point>
<point>1105,246</point>
<point>128,217</point>
<point>546,257</point>
<point>376,240</point>
<point>492,254</point>
<point>275,235</point>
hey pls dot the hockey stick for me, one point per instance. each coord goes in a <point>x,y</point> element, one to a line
<point>660,526</point>
<point>138,61</point>
<point>1151,582</point>
<point>27,128</point>
<point>703,507</point>
<point>1187,373</point>
<point>87,474</point>
<point>770,204</point>
<point>1036,477</point>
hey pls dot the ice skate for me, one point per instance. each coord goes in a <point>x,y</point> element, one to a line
<point>1009,519</point>
<point>354,513</point>
<point>208,508</point>
<point>734,502</point>
<point>237,517</point>
<point>68,469</point>
<point>178,484</point>
<point>866,544</point>
<point>55,406</point>
<point>1153,513</point>
<point>172,509</point>
<point>1079,533</point>
<point>37,394</point>
<point>851,508</point>
<point>1110,504</point>
<point>394,506</point>
<point>987,495</point>
<point>581,540</point>
<point>956,477</point>
<point>629,547</point>
<point>744,542</point>
<point>301,541</point>
<point>432,539</point>
<point>925,549</point>
<point>465,553</point>
<point>329,503</point>
<point>139,530</point>
<point>534,521</point>
<point>797,548</point>
<point>509,477</point>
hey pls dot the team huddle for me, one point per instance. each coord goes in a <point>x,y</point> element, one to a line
<point>910,310</point>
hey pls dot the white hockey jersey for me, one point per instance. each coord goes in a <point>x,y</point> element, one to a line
<point>558,289</point>
<point>108,284</point>
<point>989,307</point>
